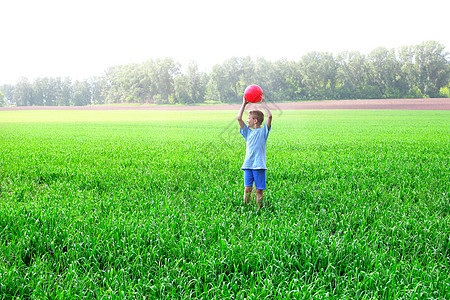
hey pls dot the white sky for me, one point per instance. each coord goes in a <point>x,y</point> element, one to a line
<point>81,38</point>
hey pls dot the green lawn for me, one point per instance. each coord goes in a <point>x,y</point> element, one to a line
<point>145,204</point>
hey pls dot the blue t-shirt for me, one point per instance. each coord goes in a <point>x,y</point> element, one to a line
<point>255,154</point>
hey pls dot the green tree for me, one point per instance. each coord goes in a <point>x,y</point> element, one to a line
<point>98,85</point>
<point>445,91</point>
<point>190,88</point>
<point>319,72</point>
<point>162,76</point>
<point>2,99</point>
<point>219,85</point>
<point>45,91</point>
<point>409,71</point>
<point>66,92</point>
<point>212,92</point>
<point>59,91</point>
<point>181,87</point>
<point>432,65</point>
<point>53,91</point>
<point>23,93</point>
<point>414,92</point>
<point>263,76</point>
<point>196,83</point>
<point>81,93</point>
<point>127,83</point>
<point>385,73</point>
<point>39,93</point>
<point>230,78</point>
<point>351,75</point>
<point>8,92</point>
<point>239,72</point>
<point>288,81</point>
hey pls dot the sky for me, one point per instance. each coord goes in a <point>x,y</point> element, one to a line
<point>82,38</point>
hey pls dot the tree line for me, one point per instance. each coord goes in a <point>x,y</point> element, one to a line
<point>418,71</point>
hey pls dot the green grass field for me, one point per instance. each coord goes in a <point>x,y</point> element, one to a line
<point>142,204</point>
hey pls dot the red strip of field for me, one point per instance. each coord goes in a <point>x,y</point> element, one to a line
<point>406,104</point>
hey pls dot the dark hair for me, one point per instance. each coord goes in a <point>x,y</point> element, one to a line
<point>258,115</point>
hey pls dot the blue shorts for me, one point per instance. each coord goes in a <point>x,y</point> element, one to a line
<point>258,176</point>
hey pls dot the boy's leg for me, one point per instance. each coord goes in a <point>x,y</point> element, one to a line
<point>259,197</point>
<point>247,193</point>
<point>260,184</point>
<point>248,183</point>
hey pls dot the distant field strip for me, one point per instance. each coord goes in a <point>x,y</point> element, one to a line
<point>397,104</point>
<point>148,204</point>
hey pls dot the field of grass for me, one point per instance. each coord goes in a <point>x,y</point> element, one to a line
<point>142,204</point>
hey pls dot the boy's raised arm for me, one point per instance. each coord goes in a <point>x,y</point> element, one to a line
<point>241,112</point>
<point>268,112</point>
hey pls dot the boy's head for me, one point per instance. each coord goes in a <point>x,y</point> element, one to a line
<point>255,118</point>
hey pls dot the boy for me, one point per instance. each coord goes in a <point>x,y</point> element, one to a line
<point>255,155</point>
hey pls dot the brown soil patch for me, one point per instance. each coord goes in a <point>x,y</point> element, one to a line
<point>406,104</point>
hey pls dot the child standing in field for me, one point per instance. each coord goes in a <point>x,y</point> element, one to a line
<point>255,136</point>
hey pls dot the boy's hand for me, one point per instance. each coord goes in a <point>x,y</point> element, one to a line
<point>244,101</point>
<point>263,97</point>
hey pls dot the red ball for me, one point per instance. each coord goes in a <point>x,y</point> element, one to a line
<point>253,93</point>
